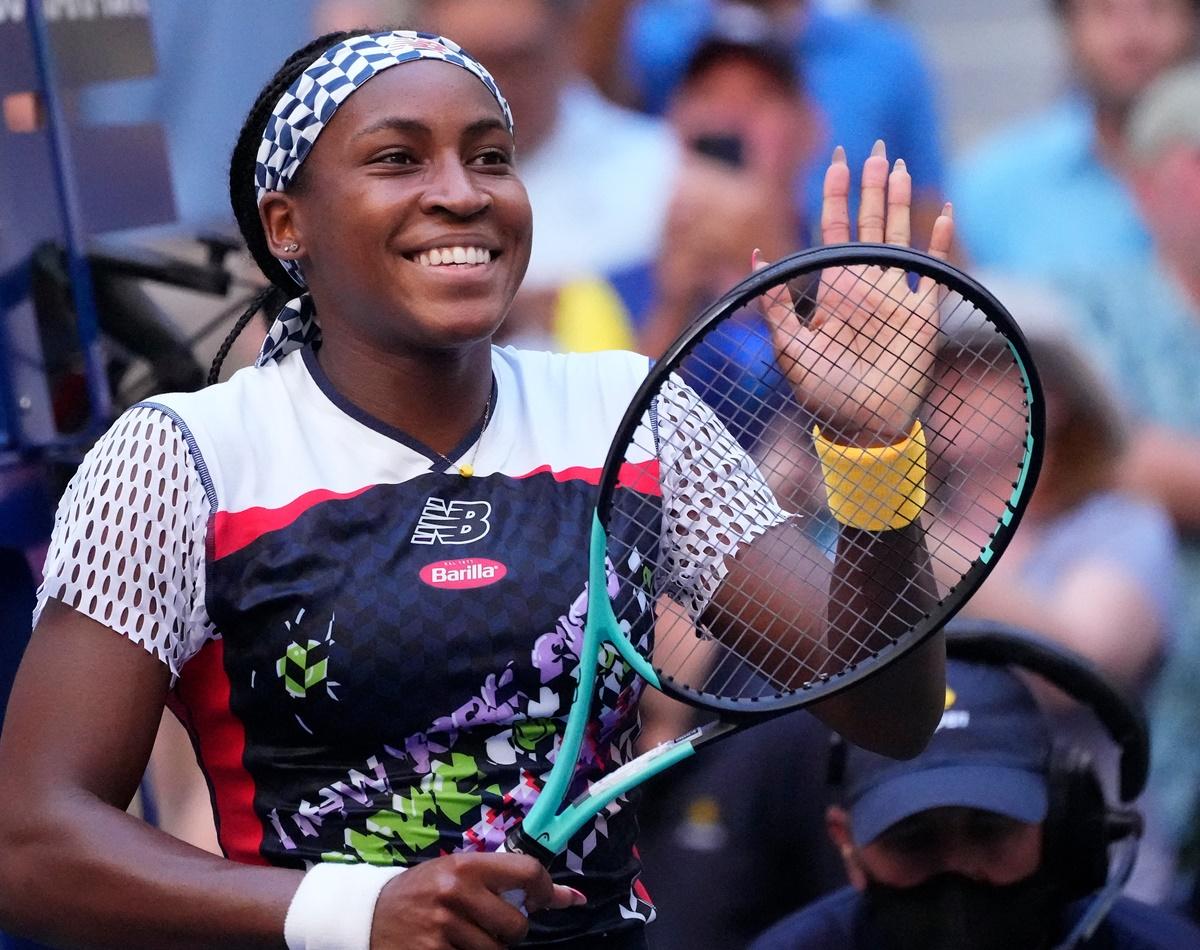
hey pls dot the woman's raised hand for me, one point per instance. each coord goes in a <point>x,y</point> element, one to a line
<point>860,362</point>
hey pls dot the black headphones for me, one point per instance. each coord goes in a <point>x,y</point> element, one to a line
<point>1081,825</point>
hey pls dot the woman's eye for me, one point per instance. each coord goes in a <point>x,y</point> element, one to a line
<point>493,156</point>
<point>396,158</point>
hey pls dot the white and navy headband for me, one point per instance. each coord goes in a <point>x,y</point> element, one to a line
<point>306,108</point>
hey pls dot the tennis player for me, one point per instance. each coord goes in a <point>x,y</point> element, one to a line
<point>356,570</point>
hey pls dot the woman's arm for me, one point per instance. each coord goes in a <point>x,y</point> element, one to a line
<point>77,870</point>
<point>1099,609</point>
<point>881,582</point>
<point>1164,464</point>
<point>74,867</point>
<point>879,585</point>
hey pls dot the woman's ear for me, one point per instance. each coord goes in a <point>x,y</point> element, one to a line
<point>277,212</point>
<point>837,823</point>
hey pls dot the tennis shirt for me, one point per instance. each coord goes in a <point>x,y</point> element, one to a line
<point>374,654</point>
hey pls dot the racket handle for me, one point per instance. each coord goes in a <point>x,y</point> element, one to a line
<point>518,842</point>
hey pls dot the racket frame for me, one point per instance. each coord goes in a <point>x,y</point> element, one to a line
<point>549,826</point>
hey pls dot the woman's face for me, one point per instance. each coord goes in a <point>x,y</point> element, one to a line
<point>413,226</point>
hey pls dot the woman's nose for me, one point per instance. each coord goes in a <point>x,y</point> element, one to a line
<point>453,188</point>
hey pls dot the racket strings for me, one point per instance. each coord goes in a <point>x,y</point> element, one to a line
<point>741,487</point>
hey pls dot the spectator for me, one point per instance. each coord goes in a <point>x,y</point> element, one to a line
<point>1142,322</point>
<point>1050,194</point>
<point>598,176</point>
<point>1092,567</point>
<point>960,847</point>
<point>726,859</point>
<point>862,69</point>
<point>747,129</point>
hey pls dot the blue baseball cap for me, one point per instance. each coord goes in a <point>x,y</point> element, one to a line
<point>991,751</point>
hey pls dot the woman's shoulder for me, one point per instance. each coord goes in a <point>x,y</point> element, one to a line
<point>239,394</point>
<point>607,370</point>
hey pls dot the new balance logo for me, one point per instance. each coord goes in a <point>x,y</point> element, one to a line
<point>452,522</point>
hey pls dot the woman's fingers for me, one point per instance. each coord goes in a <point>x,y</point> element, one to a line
<point>940,242</point>
<point>835,204</point>
<point>899,206</point>
<point>872,208</point>
<point>942,237</point>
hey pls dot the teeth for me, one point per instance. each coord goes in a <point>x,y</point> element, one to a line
<point>454,255</point>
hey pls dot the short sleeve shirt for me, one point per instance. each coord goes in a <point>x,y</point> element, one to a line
<point>375,654</point>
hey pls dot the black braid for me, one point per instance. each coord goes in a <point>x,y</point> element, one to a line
<point>268,298</point>
<point>242,195</point>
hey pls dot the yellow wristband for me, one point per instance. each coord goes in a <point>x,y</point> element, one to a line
<point>876,489</point>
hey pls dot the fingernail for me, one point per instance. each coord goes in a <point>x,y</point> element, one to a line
<point>754,256</point>
<point>900,164</point>
<point>878,148</point>
<point>948,210</point>
<point>839,156</point>
<point>579,896</point>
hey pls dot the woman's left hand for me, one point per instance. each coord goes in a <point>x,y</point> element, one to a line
<point>861,362</point>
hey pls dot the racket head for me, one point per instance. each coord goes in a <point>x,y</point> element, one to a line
<point>983,419</point>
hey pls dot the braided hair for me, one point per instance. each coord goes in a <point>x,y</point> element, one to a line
<point>242,194</point>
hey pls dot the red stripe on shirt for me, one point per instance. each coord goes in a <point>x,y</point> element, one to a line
<point>636,476</point>
<point>201,700</point>
<point>233,530</point>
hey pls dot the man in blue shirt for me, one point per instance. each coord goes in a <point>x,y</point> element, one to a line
<point>1141,322</point>
<point>952,849</point>
<point>1049,195</point>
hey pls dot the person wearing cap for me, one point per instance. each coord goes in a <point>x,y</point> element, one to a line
<point>863,69</point>
<point>747,130</point>
<point>950,849</point>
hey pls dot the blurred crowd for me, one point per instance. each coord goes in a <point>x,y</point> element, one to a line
<point>661,141</point>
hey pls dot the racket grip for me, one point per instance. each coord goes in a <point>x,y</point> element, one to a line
<point>518,842</point>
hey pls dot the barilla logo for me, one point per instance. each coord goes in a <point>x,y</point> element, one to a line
<point>463,573</point>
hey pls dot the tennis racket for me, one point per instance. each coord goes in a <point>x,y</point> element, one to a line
<point>727,570</point>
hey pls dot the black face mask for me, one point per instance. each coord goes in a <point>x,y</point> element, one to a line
<point>952,912</point>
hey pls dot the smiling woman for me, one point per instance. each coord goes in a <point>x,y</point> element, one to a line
<point>357,570</point>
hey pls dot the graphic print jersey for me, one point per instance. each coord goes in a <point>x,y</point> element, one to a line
<point>374,654</point>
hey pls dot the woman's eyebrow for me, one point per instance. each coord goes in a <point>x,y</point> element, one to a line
<point>393,123</point>
<point>489,124</point>
<point>399,124</point>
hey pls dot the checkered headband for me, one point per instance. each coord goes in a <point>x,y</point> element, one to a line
<point>306,108</point>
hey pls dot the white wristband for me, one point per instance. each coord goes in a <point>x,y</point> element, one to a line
<point>334,906</point>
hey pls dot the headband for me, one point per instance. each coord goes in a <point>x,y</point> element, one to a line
<point>306,108</point>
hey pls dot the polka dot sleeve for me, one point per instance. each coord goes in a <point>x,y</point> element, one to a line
<point>129,539</point>
<point>715,500</point>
